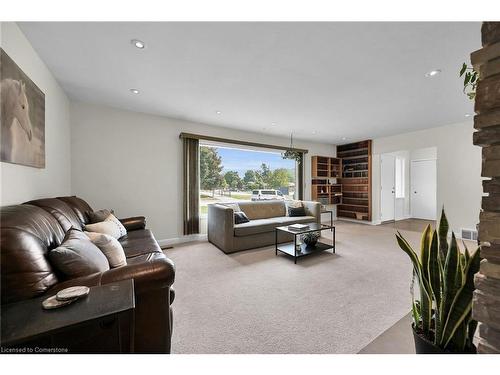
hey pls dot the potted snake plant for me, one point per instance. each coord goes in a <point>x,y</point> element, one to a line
<point>442,314</point>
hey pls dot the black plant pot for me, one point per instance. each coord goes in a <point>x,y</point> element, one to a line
<point>424,346</point>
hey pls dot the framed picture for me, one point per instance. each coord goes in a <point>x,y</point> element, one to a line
<point>22,116</point>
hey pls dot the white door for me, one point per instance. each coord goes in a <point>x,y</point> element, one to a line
<point>423,189</point>
<point>387,186</point>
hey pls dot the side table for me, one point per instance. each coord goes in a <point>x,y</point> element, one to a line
<point>331,215</point>
<point>102,322</point>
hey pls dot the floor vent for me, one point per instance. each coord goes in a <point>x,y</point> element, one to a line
<point>469,234</point>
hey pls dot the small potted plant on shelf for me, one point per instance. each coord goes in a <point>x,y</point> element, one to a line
<point>311,238</point>
<point>442,321</point>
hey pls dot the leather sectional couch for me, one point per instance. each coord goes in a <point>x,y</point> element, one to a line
<point>30,230</point>
<point>264,217</point>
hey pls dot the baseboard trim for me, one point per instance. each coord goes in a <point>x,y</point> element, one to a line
<point>183,239</point>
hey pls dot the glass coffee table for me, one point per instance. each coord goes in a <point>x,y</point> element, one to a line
<point>297,248</point>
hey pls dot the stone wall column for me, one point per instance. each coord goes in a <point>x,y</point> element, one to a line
<point>486,301</point>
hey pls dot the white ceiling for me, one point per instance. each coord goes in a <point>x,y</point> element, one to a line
<point>353,80</point>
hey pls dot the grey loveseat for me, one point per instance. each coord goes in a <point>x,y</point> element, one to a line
<point>264,217</point>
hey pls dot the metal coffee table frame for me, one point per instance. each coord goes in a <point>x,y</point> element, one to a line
<point>290,248</point>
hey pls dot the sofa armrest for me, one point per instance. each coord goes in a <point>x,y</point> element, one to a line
<point>313,209</point>
<point>156,272</point>
<point>88,280</point>
<point>221,226</point>
<point>134,223</point>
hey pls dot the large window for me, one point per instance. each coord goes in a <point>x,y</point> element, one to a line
<point>229,174</point>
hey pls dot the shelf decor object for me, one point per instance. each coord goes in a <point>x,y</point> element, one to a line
<point>323,170</point>
<point>311,238</point>
<point>356,180</point>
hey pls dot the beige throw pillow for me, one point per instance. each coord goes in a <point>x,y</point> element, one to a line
<point>111,226</point>
<point>106,227</point>
<point>110,247</point>
<point>112,218</point>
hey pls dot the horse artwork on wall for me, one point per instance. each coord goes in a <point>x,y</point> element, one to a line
<point>22,118</point>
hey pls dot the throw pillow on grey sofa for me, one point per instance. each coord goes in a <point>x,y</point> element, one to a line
<point>292,204</point>
<point>296,211</point>
<point>240,218</point>
<point>78,256</point>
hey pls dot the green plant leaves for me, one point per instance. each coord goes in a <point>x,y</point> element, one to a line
<point>425,295</point>
<point>445,277</point>
<point>467,78</point>
<point>462,303</point>
<point>443,235</point>
<point>464,68</point>
<point>425,250</point>
<point>450,287</point>
<point>470,80</point>
<point>434,269</point>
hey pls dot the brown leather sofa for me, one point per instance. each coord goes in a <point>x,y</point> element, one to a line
<point>30,230</point>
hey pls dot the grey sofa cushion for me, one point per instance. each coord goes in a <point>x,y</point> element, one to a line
<point>287,220</point>
<point>268,225</point>
<point>263,209</point>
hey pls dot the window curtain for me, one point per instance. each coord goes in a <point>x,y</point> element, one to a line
<point>300,177</point>
<point>191,186</point>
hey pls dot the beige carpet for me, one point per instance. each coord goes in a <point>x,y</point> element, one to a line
<point>256,302</point>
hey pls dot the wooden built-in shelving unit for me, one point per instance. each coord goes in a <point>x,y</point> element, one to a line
<point>356,180</point>
<point>323,169</point>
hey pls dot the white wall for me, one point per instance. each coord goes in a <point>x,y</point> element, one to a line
<point>459,186</point>
<point>20,183</point>
<point>426,153</point>
<point>132,162</point>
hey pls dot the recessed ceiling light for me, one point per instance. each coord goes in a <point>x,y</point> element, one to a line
<point>314,131</point>
<point>134,91</point>
<point>433,73</point>
<point>218,112</point>
<point>273,123</point>
<point>344,138</point>
<point>468,114</point>
<point>138,43</point>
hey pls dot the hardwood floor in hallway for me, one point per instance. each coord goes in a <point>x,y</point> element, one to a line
<point>412,225</point>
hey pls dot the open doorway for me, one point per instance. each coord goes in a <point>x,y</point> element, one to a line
<point>408,185</point>
<point>394,189</point>
<point>387,187</point>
